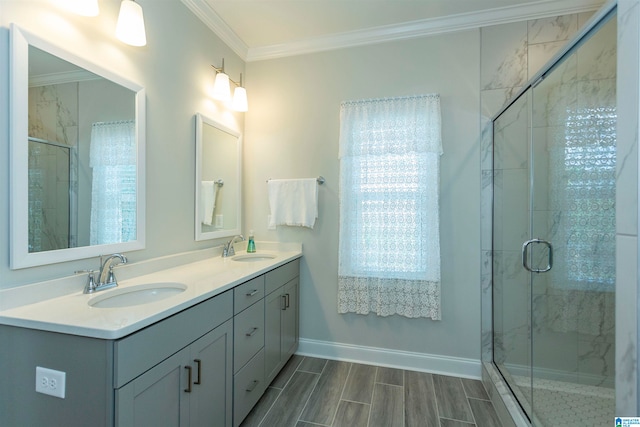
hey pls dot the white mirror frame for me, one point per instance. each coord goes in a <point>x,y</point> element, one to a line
<point>18,155</point>
<point>199,234</point>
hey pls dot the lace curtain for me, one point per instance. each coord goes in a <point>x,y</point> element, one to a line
<point>113,194</point>
<point>389,251</point>
<point>582,182</point>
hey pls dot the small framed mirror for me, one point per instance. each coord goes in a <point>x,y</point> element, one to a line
<point>218,180</point>
<point>77,156</point>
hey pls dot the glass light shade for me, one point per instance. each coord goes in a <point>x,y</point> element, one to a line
<point>130,26</point>
<point>81,7</point>
<point>239,102</point>
<point>221,88</point>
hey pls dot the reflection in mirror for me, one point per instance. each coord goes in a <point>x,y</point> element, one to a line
<point>77,144</point>
<point>218,186</point>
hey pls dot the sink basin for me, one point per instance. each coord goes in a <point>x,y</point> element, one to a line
<point>137,295</point>
<point>253,257</point>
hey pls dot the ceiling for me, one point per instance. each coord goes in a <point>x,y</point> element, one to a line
<point>264,29</point>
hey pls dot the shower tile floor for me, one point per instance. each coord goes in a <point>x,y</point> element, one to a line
<point>312,392</point>
<point>564,404</point>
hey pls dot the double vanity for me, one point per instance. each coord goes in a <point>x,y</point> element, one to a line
<point>188,339</point>
<point>194,344</point>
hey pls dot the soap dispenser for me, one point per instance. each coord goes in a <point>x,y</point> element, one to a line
<point>251,246</point>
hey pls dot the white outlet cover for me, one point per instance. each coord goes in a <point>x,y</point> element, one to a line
<point>51,382</point>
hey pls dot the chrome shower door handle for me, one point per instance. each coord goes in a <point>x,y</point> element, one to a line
<point>525,255</point>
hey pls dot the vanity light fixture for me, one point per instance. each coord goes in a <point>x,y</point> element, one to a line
<point>130,26</point>
<point>222,90</point>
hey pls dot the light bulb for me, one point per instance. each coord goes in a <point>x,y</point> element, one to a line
<point>130,26</point>
<point>239,102</point>
<point>221,88</point>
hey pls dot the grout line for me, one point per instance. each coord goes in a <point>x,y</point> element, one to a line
<point>473,416</point>
<point>373,392</point>
<point>435,396</point>
<point>311,394</point>
<point>344,386</point>
<point>404,404</point>
<point>355,401</point>
<point>270,407</point>
<point>458,421</point>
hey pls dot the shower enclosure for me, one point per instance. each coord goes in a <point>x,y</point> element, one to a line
<point>554,236</point>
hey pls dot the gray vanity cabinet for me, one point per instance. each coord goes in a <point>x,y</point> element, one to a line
<point>190,388</point>
<point>207,365</point>
<point>281,317</point>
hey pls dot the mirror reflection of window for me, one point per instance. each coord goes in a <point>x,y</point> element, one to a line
<point>113,194</point>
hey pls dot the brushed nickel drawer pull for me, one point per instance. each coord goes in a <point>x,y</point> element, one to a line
<point>252,386</point>
<point>252,293</point>
<point>188,389</point>
<point>199,378</point>
<point>253,331</point>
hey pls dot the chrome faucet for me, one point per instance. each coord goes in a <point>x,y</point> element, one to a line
<point>227,249</point>
<point>106,278</point>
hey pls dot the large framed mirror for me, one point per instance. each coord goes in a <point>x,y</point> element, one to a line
<point>77,163</point>
<point>218,180</point>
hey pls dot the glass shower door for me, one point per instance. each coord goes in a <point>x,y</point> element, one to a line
<point>511,218</point>
<point>573,197</point>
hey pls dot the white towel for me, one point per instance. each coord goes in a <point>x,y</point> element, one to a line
<point>293,202</point>
<point>208,190</point>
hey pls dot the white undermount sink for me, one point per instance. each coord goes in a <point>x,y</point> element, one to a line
<point>136,295</point>
<point>252,257</point>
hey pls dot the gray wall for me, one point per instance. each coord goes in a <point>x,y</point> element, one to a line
<point>292,131</point>
<point>174,68</point>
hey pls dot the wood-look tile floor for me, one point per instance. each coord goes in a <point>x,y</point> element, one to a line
<point>311,392</point>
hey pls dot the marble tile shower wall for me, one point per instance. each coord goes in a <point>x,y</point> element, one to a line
<point>510,55</point>
<point>53,116</point>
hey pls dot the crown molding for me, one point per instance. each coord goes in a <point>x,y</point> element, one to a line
<point>408,30</point>
<point>211,19</point>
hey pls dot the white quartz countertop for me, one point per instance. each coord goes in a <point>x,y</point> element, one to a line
<point>71,313</point>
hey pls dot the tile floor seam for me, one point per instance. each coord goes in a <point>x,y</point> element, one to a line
<point>298,418</point>
<point>458,421</point>
<point>373,392</point>
<point>404,405</point>
<point>270,407</point>
<point>466,400</point>
<point>391,385</point>
<point>435,397</point>
<point>344,386</point>
<point>355,401</point>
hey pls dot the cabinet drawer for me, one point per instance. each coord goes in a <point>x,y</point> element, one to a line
<point>281,275</point>
<point>142,350</point>
<point>248,387</point>
<point>247,294</point>
<point>248,335</point>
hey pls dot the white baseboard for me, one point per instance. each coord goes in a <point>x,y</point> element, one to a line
<point>435,364</point>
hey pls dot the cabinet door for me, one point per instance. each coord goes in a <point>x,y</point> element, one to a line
<point>289,320</point>
<point>157,397</point>
<point>211,387</point>
<point>274,305</point>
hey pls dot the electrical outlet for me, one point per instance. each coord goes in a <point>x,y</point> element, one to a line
<point>50,382</point>
<point>219,221</point>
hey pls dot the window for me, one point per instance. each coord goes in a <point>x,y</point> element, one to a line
<point>583,184</point>
<point>389,260</point>
<point>113,195</point>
